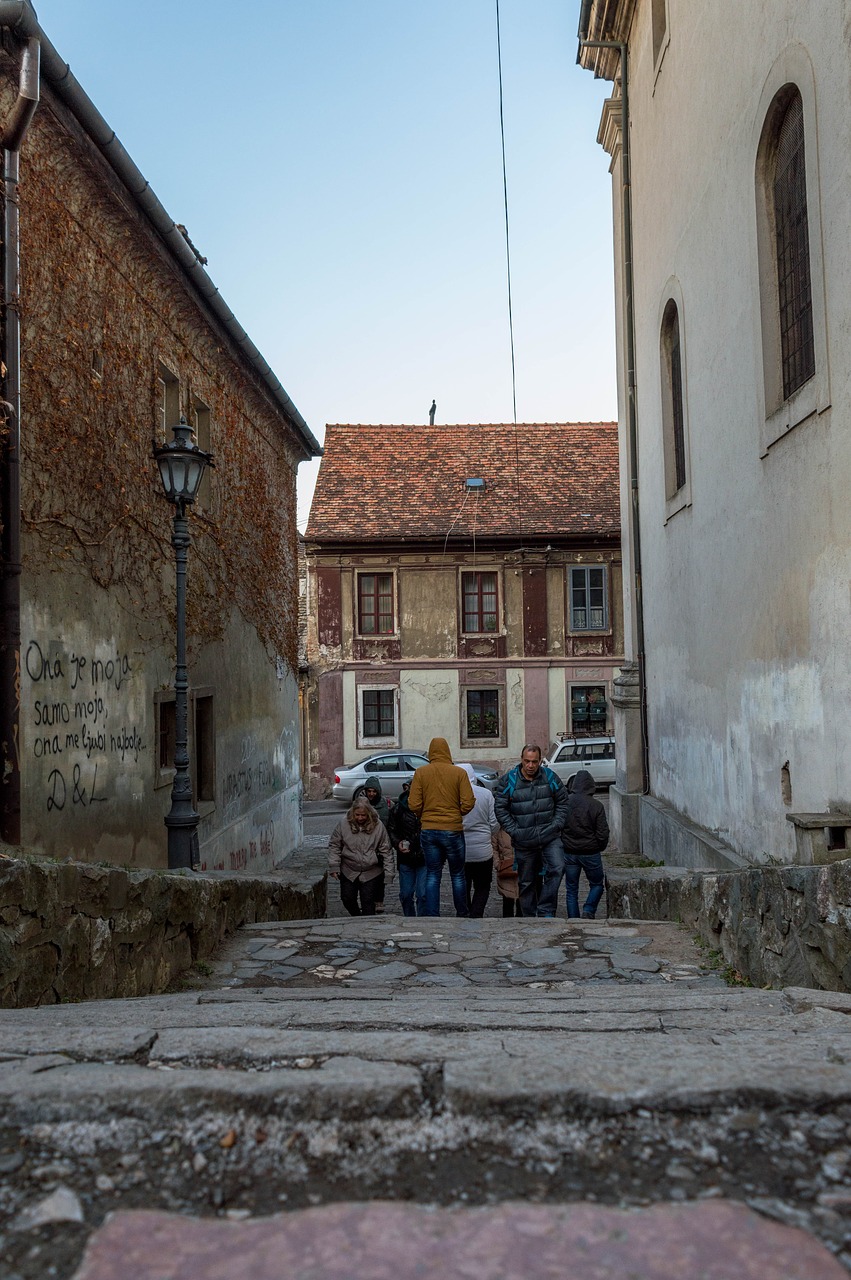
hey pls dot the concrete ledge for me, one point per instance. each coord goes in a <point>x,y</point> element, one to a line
<point>777,926</point>
<point>670,837</point>
<point>72,931</point>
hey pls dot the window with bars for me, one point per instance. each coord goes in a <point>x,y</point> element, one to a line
<point>375,604</point>
<point>793,250</point>
<point>482,712</point>
<point>588,603</point>
<point>479,594</point>
<point>378,713</point>
<point>588,709</point>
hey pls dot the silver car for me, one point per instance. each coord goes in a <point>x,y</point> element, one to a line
<point>596,755</point>
<point>392,768</point>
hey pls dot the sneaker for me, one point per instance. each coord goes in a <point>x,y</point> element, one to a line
<point>588,915</point>
<point>379,908</point>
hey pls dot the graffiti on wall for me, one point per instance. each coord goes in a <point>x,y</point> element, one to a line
<point>81,727</point>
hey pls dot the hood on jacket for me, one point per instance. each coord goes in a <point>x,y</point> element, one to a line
<point>375,784</point>
<point>584,784</point>
<point>438,751</point>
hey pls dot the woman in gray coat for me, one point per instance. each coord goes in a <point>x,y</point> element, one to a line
<point>359,852</point>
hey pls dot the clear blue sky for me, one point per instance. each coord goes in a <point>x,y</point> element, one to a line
<point>338,162</point>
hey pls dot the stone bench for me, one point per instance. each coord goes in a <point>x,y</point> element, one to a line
<point>821,838</point>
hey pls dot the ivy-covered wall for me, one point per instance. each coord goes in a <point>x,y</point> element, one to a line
<point>105,310</point>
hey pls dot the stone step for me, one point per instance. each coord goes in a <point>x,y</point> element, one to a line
<point>243,1098</point>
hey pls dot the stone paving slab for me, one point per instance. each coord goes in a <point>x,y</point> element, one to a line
<point>714,1240</point>
<point>338,1087</point>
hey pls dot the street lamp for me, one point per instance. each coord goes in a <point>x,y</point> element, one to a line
<point>182,465</point>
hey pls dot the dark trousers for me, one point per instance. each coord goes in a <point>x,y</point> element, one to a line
<point>592,865</point>
<point>510,907</point>
<point>479,876</point>
<point>360,896</point>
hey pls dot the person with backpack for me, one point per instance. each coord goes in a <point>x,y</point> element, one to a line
<point>531,805</point>
<point>584,835</point>
<point>403,827</point>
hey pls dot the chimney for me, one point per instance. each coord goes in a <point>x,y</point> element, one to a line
<point>432,411</point>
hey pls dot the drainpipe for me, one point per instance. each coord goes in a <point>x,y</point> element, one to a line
<point>10,458</point>
<point>632,412</point>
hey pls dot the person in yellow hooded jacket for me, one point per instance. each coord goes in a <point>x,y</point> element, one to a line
<point>440,795</point>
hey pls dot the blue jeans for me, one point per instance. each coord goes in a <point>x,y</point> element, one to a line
<point>439,847</point>
<point>574,865</point>
<point>412,881</point>
<point>539,897</point>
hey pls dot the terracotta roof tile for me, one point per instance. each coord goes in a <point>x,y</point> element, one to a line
<point>408,482</point>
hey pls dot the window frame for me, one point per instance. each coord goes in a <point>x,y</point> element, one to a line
<point>605,628</point>
<point>202,426</point>
<point>377,742</point>
<point>480,573</point>
<point>203,749</point>
<point>168,401</point>
<point>360,574</point>
<point>792,71</point>
<point>580,735</point>
<point>500,739</point>
<point>677,496</point>
<point>164,773</point>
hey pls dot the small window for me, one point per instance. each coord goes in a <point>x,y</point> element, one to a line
<point>375,604</point>
<point>482,713</point>
<point>169,402</point>
<point>165,729</point>
<point>659,23</point>
<point>588,599</point>
<point>791,223</point>
<point>673,404</point>
<point>479,602</point>
<point>378,717</point>
<point>588,710</point>
<point>204,742</point>
<point>201,427</point>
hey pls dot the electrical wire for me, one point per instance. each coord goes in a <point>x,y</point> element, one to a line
<point>454,522</point>
<point>508,271</point>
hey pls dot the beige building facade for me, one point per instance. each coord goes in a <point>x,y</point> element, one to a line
<point>463,582</point>
<point>733,286</point>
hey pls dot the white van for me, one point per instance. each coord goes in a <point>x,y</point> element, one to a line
<point>597,755</point>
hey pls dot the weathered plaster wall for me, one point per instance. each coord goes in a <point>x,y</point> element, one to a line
<point>513,611</point>
<point>75,932</point>
<point>747,607</point>
<point>429,701</point>
<point>428,606</point>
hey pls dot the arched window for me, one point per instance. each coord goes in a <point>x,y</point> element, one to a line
<point>673,401</point>
<point>792,247</point>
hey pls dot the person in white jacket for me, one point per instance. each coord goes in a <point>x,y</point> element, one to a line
<point>480,826</point>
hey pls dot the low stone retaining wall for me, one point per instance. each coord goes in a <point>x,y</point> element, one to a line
<point>778,926</point>
<point>71,931</point>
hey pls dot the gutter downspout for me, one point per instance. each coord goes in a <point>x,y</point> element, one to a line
<point>10,457</point>
<point>632,412</point>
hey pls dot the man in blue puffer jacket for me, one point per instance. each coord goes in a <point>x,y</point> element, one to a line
<point>531,805</point>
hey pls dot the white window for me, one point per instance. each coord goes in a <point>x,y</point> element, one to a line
<point>378,715</point>
<point>589,603</point>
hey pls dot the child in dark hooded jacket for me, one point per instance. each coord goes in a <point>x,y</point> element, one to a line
<point>585,835</point>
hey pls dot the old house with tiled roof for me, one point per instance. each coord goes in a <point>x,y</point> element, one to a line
<point>464,581</point>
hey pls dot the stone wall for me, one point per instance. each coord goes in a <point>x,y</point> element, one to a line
<point>71,931</point>
<point>778,926</point>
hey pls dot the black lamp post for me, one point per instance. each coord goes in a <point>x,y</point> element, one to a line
<point>182,465</point>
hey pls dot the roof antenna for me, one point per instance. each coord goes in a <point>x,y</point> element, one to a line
<point>432,411</point>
